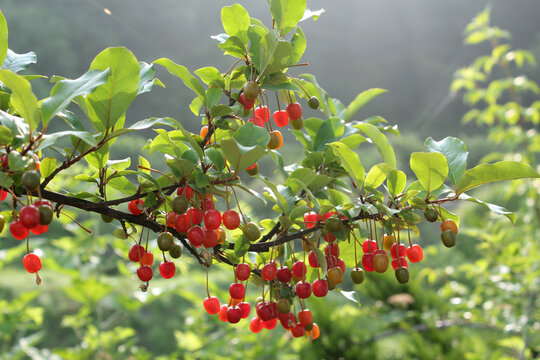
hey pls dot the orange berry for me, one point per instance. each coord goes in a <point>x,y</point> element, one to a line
<point>204,131</point>
<point>449,225</point>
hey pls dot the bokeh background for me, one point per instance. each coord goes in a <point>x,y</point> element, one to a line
<point>460,303</point>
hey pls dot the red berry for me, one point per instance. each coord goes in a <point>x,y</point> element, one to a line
<point>136,252</point>
<point>195,215</point>
<point>136,206</point>
<point>281,118</point>
<point>32,263</point>
<point>294,111</point>
<point>263,113</point>
<point>231,219</point>
<point>299,269</point>
<point>248,103</point>
<point>246,309</point>
<point>329,214</point>
<point>29,216</point>
<point>266,311</point>
<point>255,325</point>
<point>305,318</point>
<point>212,219</point>
<point>320,288</point>
<point>167,269</point>
<point>171,219</point>
<point>257,121</point>
<point>312,258</point>
<point>270,324</point>
<point>329,237</point>
<point>242,271</point>
<point>147,258</point>
<point>341,264</point>
<point>210,238</point>
<point>234,314</point>
<point>283,274</point>
<point>310,219</point>
<point>252,166</point>
<point>145,273</point>
<point>415,253</point>
<point>331,261</point>
<point>269,271</point>
<point>367,262</point>
<point>401,262</point>
<point>208,204</point>
<point>43,202</point>
<point>303,289</point>
<point>332,249</point>
<point>402,250</point>
<point>18,231</point>
<point>3,195</point>
<point>211,305</point>
<point>40,229</point>
<point>5,161</point>
<point>298,330</point>
<point>196,235</point>
<point>237,291</point>
<point>369,246</point>
<point>185,191</point>
<point>222,314</point>
<point>182,223</point>
<point>287,320</point>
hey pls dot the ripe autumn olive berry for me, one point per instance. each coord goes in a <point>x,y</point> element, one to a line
<point>179,204</point>
<point>333,224</point>
<point>175,251</point>
<point>31,180</point>
<point>449,225</point>
<point>251,89</point>
<point>106,218</point>
<point>358,275</point>
<point>253,169</point>
<point>165,241</point>
<point>297,124</point>
<point>448,238</point>
<point>313,102</point>
<point>431,215</point>
<point>45,214</point>
<point>402,275</point>
<point>251,231</point>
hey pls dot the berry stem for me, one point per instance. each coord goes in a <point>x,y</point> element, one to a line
<point>76,222</point>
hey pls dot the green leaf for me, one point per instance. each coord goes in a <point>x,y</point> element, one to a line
<point>66,90</point>
<point>496,209</point>
<point>6,136</point>
<point>303,186</point>
<point>298,43</point>
<point>456,154</point>
<point>22,97</point>
<point>220,110</point>
<point>350,161</point>
<point>239,156</point>
<point>236,22</point>
<point>257,48</point>
<point>241,246</point>
<point>51,139</point>
<point>16,161</point>
<point>47,166</point>
<point>500,171</point>
<point>210,76</point>
<point>330,131</point>
<point>146,78</point>
<point>250,135</point>
<point>213,96</point>
<point>108,103</point>
<point>18,62</point>
<point>361,99</point>
<point>216,157</point>
<point>431,169</point>
<point>234,47</point>
<point>287,13</point>
<point>376,176</point>
<point>281,57</point>
<point>396,182</point>
<point>380,141</point>
<point>3,38</point>
<point>182,72</point>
